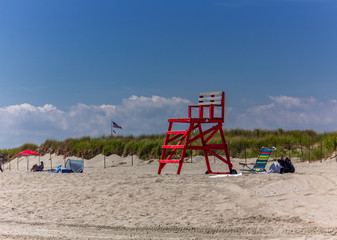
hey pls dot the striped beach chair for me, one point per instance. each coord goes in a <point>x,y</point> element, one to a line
<point>261,161</point>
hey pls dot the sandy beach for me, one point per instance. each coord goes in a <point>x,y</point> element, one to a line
<point>128,200</point>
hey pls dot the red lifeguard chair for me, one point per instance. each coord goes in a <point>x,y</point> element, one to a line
<point>205,128</point>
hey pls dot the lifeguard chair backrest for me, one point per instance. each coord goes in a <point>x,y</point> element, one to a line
<point>211,100</point>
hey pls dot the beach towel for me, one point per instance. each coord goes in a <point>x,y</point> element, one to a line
<point>226,175</point>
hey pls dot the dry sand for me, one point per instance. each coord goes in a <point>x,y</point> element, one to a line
<point>133,202</point>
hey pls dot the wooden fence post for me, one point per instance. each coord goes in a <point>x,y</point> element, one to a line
<point>321,151</point>
<point>309,149</point>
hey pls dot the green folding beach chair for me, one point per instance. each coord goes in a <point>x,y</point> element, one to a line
<point>261,161</point>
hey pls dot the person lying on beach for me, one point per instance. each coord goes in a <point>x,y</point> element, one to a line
<point>37,168</point>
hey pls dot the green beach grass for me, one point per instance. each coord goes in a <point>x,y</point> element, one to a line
<point>302,144</point>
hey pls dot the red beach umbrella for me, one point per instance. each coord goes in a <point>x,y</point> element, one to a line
<point>28,153</point>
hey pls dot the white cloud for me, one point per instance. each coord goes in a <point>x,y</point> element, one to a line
<point>137,115</point>
<point>148,115</point>
<point>288,113</point>
<point>144,115</point>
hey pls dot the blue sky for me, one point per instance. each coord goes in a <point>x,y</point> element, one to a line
<point>67,67</point>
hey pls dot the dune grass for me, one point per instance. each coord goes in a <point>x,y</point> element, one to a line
<point>306,145</point>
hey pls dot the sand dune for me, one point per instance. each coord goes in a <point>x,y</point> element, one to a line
<point>128,200</point>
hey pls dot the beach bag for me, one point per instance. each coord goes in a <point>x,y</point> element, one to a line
<point>282,164</point>
<point>287,166</point>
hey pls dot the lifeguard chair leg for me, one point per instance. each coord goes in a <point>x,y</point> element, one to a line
<point>207,162</point>
<point>204,148</point>
<point>163,153</point>
<point>230,166</point>
<point>181,161</point>
<point>161,165</point>
<point>183,153</point>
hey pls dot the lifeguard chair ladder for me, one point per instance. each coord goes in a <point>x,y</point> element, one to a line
<point>185,140</point>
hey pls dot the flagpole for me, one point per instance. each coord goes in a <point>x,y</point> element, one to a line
<point>111,127</point>
<point>114,125</point>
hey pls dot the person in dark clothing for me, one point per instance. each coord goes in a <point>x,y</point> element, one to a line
<point>37,168</point>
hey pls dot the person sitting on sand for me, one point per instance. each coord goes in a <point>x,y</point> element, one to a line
<point>37,168</point>
<point>1,168</point>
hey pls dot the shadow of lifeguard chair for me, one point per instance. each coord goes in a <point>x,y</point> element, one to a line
<point>197,136</point>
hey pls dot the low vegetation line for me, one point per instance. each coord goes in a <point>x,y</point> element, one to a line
<point>302,144</point>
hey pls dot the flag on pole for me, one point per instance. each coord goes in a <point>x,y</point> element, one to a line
<point>115,125</point>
